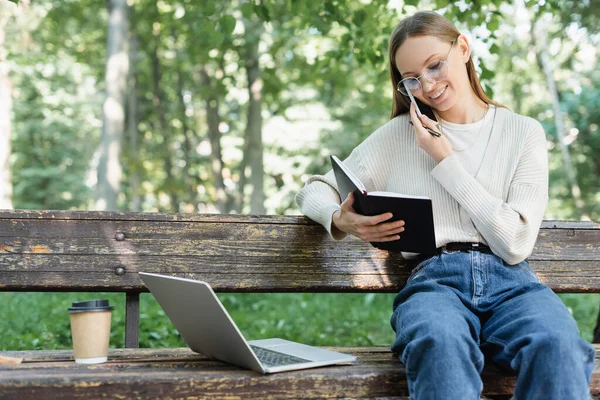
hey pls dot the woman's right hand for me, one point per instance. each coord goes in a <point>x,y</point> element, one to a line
<point>369,229</point>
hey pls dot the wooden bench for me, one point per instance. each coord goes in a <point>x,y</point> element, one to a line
<point>103,251</point>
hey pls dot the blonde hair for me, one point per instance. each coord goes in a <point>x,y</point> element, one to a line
<point>426,23</point>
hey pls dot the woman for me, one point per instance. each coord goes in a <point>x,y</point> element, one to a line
<point>475,298</point>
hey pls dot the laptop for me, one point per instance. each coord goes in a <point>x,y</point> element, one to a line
<point>207,328</point>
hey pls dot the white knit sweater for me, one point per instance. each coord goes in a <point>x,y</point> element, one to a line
<point>501,204</point>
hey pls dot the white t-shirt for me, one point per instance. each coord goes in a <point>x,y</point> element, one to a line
<point>470,139</point>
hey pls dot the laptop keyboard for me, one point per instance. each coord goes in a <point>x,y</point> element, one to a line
<point>274,358</point>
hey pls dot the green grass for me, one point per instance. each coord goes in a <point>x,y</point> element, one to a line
<point>584,308</point>
<point>40,320</point>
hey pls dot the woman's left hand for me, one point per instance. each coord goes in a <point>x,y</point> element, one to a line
<point>437,147</point>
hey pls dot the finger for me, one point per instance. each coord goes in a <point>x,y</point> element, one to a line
<point>374,233</point>
<point>393,225</point>
<point>389,226</point>
<point>413,115</point>
<point>347,204</point>
<point>383,230</point>
<point>429,123</point>
<point>416,120</point>
<point>378,219</point>
<point>387,238</point>
<point>381,238</point>
<point>393,230</point>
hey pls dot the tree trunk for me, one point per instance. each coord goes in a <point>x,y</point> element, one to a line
<point>113,110</point>
<point>5,121</point>
<point>158,99</point>
<point>214,135</point>
<point>189,179</point>
<point>132,127</point>
<point>253,134</point>
<point>539,36</point>
<point>241,195</point>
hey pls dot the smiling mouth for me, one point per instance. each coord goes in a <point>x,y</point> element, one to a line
<point>438,93</point>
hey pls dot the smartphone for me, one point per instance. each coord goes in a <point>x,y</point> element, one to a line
<point>418,105</point>
<point>428,110</point>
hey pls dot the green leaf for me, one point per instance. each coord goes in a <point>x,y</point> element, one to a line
<point>494,49</point>
<point>486,74</point>
<point>209,8</point>
<point>346,37</point>
<point>263,12</point>
<point>359,17</point>
<point>215,38</point>
<point>228,23</point>
<point>247,10</point>
<point>296,7</point>
<point>493,25</point>
<point>411,2</point>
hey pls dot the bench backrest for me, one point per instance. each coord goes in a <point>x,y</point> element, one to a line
<point>104,251</point>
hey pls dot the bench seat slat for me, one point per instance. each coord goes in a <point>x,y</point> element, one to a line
<point>130,372</point>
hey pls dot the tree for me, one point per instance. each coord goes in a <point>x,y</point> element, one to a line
<point>194,96</point>
<point>253,145</point>
<point>113,110</point>
<point>540,42</point>
<point>7,12</point>
<point>213,120</point>
<point>133,130</point>
<point>5,114</point>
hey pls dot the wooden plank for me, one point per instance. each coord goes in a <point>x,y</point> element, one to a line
<point>156,354</point>
<point>176,373</point>
<point>571,224</point>
<point>220,218</point>
<point>99,273</point>
<point>223,282</point>
<point>201,238</point>
<point>551,245</point>
<point>132,319</point>
<point>149,216</point>
<point>108,265</point>
<point>198,230</point>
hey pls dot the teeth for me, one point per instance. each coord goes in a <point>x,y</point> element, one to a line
<point>438,94</point>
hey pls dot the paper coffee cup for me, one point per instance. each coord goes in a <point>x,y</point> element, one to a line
<point>90,330</point>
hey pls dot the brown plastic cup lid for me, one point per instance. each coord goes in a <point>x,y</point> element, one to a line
<point>90,306</point>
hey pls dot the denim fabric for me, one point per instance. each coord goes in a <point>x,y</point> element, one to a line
<point>459,309</point>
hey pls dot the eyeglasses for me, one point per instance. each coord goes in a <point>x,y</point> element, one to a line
<point>435,71</point>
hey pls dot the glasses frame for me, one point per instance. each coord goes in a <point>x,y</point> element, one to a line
<point>418,78</point>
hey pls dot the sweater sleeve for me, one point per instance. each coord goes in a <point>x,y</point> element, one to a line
<point>319,198</point>
<point>509,226</point>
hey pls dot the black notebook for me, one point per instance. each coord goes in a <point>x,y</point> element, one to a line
<point>416,211</point>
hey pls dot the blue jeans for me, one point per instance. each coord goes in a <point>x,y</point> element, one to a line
<point>460,308</point>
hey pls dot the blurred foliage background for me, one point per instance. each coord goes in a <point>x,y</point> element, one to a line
<point>228,106</point>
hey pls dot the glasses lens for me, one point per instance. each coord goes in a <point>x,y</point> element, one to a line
<point>436,70</point>
<point>412,84</point>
